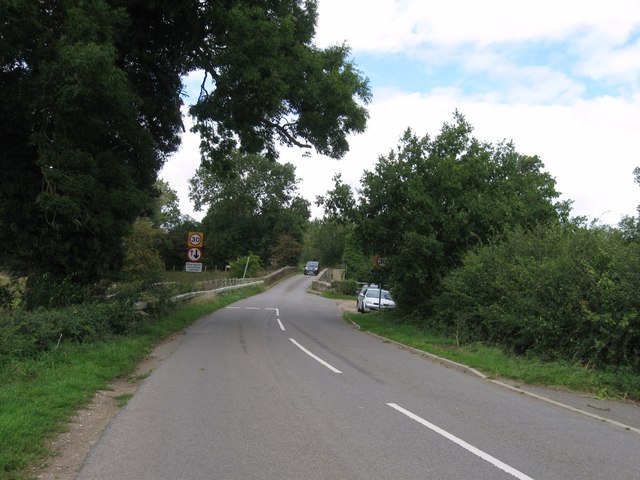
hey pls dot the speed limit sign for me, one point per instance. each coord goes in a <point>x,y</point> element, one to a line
<point>379,261</point>
<point>196,239</point>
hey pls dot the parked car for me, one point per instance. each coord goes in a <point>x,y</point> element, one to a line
<point>371,298</point>
<point>312,268</point>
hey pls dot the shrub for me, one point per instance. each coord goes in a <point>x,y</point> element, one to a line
<point>345,287</point>
<point>237,269</point>
<point>47,291</point>
<point>25,333</point>
<point>560,292</point>
<point>11,291</point>
<point>142,260</point>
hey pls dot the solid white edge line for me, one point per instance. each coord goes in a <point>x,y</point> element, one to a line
<point>485,456</point>
<point>281,326</point>
<point>315,357</point>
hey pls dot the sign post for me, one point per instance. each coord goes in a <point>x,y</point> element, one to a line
<point>195,241</point>
<point>380,262</point>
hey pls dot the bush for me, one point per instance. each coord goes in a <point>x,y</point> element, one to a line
<point>11,291</point>
<point>49,292</point>
<point>253,267</point>
<point>345,287</point>
<point>559,292</point>
<point>142,260</point>
<point>25,334</point>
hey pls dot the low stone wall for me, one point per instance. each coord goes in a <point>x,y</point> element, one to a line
<point>222,285</point>
<point>278,275</point>
<point>186,296</point>
<point>322,282</point>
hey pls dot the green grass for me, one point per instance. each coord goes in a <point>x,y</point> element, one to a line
<point>494,362</point>
<point>38,396</point>
<point>122,400</point>
<point>339,296</point>
<point>187,277</point>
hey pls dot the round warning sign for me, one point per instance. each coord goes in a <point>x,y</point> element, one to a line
<point>194,254</point>
<point>196,239</point>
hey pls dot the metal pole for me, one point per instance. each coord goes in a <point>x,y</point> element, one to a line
<point>246,266</point>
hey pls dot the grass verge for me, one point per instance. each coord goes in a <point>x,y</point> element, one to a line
<point>494,362</point>
<point>37,396</point>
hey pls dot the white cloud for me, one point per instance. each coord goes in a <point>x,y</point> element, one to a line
<point>392,26</point>
<point>588,144</point>
<point>182,166</point>
<point>589,147</point>
<point>616,63</point>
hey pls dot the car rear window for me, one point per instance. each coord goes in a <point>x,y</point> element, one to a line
<point>375,293</point>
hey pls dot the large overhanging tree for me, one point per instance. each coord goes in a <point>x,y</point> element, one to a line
<point>90,97</point>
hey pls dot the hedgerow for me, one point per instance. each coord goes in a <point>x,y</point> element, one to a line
<point>28,333</point>
<point>562,292</point>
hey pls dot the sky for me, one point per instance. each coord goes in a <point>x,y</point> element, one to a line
<point>561,80</point>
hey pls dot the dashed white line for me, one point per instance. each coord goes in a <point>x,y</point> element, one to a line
<point>315,357</point>
<point>485,456</point>
<point>277,310</point>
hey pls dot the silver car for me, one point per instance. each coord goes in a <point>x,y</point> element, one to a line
<point>371,298</point>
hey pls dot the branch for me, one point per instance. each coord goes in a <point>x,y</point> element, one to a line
<point>285,133</point>
<point>203,90</point>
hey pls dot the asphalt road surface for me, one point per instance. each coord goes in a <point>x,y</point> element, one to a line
<point>278,387</point>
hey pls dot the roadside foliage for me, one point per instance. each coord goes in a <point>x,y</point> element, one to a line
<point>91,107</point>
<point>557,292</point>
<point>430,201</point>
<point>478,247</point>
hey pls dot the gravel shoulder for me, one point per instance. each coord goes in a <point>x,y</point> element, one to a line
<point>70,448</point>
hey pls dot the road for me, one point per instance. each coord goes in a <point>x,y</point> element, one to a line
<point>277,386</point>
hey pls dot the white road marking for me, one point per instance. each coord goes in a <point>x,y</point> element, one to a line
<point>266,308</point>
<point>315,357</point>
<point>485,456</point>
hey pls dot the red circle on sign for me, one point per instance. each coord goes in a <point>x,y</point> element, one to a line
<point>194,254</point>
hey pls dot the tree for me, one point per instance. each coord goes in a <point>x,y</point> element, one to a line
<point>142,257</point>
<point>166,212</point>
<point>286,252</point>
<point>630,226</point>
<point>324,241</point>
<point>249,207</point>
<point>430,201</point>
<point>90,96</point>
<point>271,84</point>
<point>174,245</point>
<point>339,204</point>
<point>79,162</point>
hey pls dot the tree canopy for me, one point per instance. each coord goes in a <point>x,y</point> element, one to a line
<point>249,208</point>
<point>431,200</point>
<point>90,97</point>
